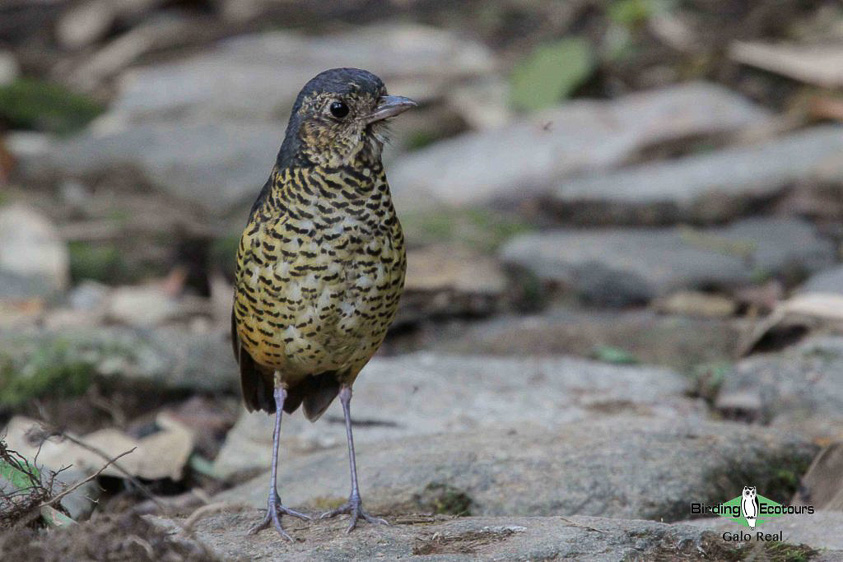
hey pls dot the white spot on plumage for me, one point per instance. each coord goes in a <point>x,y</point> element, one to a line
<point>294,291</point>
<point>282,268</point>
<point>324,300</point>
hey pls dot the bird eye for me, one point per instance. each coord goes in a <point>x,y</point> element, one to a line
<point>339,109</point>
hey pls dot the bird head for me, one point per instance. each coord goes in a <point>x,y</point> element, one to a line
<point>340,116</point>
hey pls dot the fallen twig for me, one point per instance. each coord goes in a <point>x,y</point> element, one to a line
<point>50,431</point>
<point>84,481</point>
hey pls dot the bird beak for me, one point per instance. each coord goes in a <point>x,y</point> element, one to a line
<point>390,106</point>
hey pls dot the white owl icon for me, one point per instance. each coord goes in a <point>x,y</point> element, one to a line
<point>749,505</point>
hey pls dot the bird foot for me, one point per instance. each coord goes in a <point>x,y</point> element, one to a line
<point>354,507</point>
<point>274,511</point>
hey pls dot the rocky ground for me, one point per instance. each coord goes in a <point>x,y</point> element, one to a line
<point>625,289</point>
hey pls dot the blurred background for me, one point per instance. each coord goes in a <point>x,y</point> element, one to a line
<point>613,207</point>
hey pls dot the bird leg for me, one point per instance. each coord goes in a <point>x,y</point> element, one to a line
<point>354,505</point>
<point>274,508</point>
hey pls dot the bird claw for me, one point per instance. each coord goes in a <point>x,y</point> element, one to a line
<point>354,508</point>
<point>274,511</point>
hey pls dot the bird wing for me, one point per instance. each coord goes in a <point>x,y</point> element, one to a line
<point>256,386</point>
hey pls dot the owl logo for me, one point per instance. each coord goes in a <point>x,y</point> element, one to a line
<point>749,505</point>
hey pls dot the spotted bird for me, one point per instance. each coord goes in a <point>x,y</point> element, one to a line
<point>321,263</point>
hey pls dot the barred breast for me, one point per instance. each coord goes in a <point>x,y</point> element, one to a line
<point>319,273</point>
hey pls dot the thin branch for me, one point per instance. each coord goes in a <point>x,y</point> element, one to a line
<point>84,481</point>
<point>51,430</point>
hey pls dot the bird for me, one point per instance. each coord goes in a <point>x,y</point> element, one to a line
<point>320,265</point>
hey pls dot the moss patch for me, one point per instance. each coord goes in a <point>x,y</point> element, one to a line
<point>52,370</point>
<point>224,252</point>
<point>783,552</point>
<point>326,503</point>
<point>33,104</point>
<point>97,262</point>
<point>481,229</point>
<point>444,499</point>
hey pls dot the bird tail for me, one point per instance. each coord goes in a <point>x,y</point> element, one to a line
<point>315,403</point>
<point>751,521</point>
<point>314,394</point>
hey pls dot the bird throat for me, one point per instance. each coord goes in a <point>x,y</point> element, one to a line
<point>356,191</point>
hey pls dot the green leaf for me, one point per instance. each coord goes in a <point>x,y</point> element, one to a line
<point>551,73</point>
<point>55,518</point>
<point>16,477</point>
<point>616,355</point>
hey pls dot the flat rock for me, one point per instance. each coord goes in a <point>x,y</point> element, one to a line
<point>629,266</point>
<point>165,359</point>
<point>34,260</point>
<point>143,306</point>
<point>427,393</point>
<point>606,467</point>
<point>530,157</point>
<point>705,188</point>
<point>818,64</point>
<point>590,539</point>
<point>257,77</point>
<point>217,166</point>
<point>800,388</point>
<point>826,281</point>
<point>674,341</point>
<point>9,68</point>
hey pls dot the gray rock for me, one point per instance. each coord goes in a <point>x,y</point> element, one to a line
<point>674,341</point>
<point>530,157</point>
<point>705,188</point>
<point>615,466</point>
<point>216,166</point>
<point>86,23</point>
<point>627,266</point>
<point>34,260</point>
<point>88,296</point>
<point>426,394</point>
<point>826,281</point>
<point>165,359</point>
<point>9,68</point>
<point>257,77</point>
<point>81,502</point>
<point>589,539</point>
<point>800,388</point>
<point>142,306</point>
